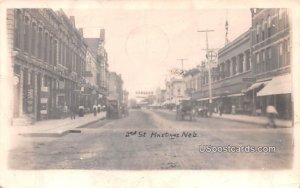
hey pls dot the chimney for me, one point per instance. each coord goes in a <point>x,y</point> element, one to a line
<point>102,34</point>
<point>72,19</point>
<point>81,31</point>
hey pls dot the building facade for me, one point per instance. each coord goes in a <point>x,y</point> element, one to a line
<point>192,79</point>
<point>175,90</point>
<point>227,77</point>
<point>49,58</point>
<point>97,48</point>
<point>48,55</point>
<point>272,59</point>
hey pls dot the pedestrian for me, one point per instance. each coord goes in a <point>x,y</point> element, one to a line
<point>73,112</point>
<point>271,113</point>
<point>221,108</point>
<point>99,108</point>
<point>65,110</point>
<point>95,110</point>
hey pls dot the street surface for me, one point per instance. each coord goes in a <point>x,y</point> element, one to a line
<point>132,143</point>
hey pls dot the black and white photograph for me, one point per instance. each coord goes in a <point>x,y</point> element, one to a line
<point>158,87</point>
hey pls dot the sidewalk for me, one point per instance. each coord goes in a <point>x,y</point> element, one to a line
<point>259,120</point>
<point>56,127</point>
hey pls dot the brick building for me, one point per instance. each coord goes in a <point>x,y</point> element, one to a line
<point>271,59</point>
<point>233,65</point>
<point>48,58</point>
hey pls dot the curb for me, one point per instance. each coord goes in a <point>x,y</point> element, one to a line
<point>60,134</point>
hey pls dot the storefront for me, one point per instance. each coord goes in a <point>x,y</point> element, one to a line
<point>278,93</point>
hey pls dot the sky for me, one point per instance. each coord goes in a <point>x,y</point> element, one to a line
<point>143,45</point>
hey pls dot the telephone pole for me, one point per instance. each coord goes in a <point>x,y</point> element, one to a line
<point>208,62</point>
<point>182,59</point>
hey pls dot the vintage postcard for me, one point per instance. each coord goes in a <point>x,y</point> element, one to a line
<point>149,94</point>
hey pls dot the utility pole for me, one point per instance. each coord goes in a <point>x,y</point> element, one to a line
<point>208,61</point>
<point>182,59</point>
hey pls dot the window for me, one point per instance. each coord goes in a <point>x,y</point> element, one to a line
<point>248,60</point>
<point>241,64</point>
<point>269,21</point>
<point>263,56</point>
<point>50,50</point>
<point>33,36</point>
<point>280,12</point>
<point>263,30</point>
<point>55,52</point>
<point>288,52</point>
<point>280,49</point>
<point>26,35</point>
<point>233,68</point>
<point>257,58</point>
<point>46,47</point>
<point>269,53</point>
<point>45,81</point>
<point>17,29</point>
<point>257,33</point>
<point>40,39</point>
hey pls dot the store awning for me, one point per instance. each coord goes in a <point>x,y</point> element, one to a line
<point>278,85</point>
<point>255,85</point>
<point>235,95</point>
<point>203,99</point>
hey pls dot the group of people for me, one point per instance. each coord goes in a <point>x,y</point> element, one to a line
<point>80,110</point>
<point>97,109</point>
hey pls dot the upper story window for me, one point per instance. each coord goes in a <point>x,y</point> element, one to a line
<point>280,49</point>
<point>257,33</point>
<point>257,58</point>
<point>263,56</point>
<point>17,29</point>
<point>263,29</point>
<point>26,34</point>
<point>280,13</point>
<point>269,53</point>
<point>269,22</point>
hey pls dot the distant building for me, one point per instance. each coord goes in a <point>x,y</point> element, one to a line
<point>175,90</point>
<point>192,79</point>
<point>96,45</point>
<point>125,98</point>
<point>160,96</point>
<point>115,87</point>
